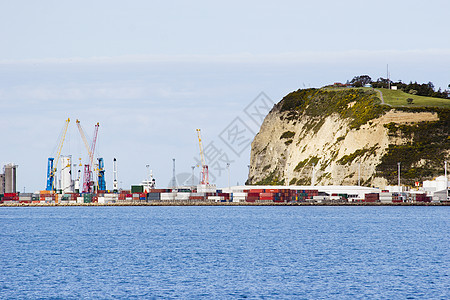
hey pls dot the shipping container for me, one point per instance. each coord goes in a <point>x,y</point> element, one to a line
<point>137,189</point>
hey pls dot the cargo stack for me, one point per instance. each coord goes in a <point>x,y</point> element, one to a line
<point>168,197</point>
<point>25,197</point>
<point>47,197</point>
<point>196,197</point>
<point>372,197</point>
<point>397,198</point>
<point>10,198</point>
<point>420,198</point>
<point>239,196</point>
<point>87,198</point>
<point>386,197</point>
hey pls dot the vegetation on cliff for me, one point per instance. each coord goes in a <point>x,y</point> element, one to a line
<point>425,151</point>
<point>357,105</point>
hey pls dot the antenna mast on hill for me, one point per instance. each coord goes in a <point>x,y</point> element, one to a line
<point>387,75</point>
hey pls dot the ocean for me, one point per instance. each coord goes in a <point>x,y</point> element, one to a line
<point>221,252</point>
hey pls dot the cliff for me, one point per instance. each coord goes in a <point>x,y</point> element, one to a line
<point>342,136</point>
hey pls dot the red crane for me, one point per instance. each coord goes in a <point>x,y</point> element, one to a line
<point>88,168</point>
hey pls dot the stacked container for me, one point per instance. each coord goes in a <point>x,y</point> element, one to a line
<point>386,197</point>
<point>372,197</point>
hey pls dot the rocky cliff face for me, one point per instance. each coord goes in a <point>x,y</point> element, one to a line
<point>340,137</point>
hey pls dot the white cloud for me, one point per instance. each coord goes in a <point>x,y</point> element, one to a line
<point>288,57</point>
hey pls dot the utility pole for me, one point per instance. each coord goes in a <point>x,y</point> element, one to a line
<point>193,182</point>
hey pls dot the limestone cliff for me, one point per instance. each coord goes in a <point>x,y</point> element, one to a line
<point>338,137</point>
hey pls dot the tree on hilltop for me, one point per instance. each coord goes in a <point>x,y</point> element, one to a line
<point>362,80</point>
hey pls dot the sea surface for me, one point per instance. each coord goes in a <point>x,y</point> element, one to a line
<point>225,252</point>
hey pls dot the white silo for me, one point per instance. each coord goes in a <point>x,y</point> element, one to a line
<point>66,174</point>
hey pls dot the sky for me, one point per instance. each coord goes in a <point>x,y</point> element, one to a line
<point>152,72</point>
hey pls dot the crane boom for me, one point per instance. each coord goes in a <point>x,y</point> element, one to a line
<point>205,172</point>
<point>52,167</point>
<point>83,136</point>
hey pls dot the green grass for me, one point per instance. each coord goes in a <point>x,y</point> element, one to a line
<point>398,98</point>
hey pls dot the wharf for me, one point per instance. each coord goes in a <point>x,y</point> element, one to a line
<point>183,203</point>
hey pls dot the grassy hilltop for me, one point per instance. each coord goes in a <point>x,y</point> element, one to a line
<point>398,98</point>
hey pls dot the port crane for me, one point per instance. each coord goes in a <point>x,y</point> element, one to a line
<point>205,172</point>
<point>53,161</point>
<point>88,168</point>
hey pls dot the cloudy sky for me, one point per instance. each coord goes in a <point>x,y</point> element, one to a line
<point>151,72</point>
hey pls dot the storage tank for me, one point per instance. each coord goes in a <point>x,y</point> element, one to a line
<point>66,174</point>
<point>10,178</point>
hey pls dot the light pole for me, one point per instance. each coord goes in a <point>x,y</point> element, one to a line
<point>399,187</point>
<point>193,183</point>
<point>313,180</point>
<point>228,168</point>
<point>359,173</point>
<point>446,180</point>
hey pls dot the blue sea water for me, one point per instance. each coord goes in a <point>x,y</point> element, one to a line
<point>225,252</point>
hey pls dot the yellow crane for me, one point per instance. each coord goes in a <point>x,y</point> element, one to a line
<point>205,172</point>
<point>52,166</point>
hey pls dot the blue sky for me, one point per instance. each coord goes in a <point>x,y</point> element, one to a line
<point>151,72</point>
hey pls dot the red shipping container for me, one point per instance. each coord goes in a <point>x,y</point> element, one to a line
<point>9,194</point>
<point>257,191</point>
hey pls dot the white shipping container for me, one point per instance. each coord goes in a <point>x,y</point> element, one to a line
<point>385,199</point>
<point>216,198</point>
<point>168,196</point>
<point>183,196</point>
<point>80,200</point>
<point>321,198</point>
<point>101,200</point>
<point>239,199</point>
<point>240,194</point>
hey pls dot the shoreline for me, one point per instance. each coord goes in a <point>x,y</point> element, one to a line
<point>218,204</point>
